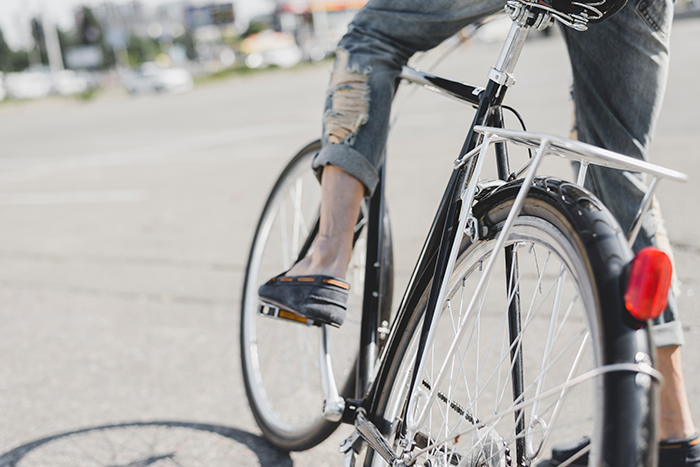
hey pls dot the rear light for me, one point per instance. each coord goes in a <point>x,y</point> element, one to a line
<point>649,280</point>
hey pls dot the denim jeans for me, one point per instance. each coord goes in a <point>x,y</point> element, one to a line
<point>619,77</point>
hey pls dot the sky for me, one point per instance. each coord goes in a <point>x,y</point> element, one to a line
<point>16,14</point>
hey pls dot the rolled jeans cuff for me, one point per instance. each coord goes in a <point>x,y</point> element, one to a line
<point>667,334</point>
<point>349,160</point>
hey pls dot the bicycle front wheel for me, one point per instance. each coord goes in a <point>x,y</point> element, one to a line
<point>280,358</point>
<point>529,370</point>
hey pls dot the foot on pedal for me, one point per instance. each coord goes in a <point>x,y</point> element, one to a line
<point>317,298</point>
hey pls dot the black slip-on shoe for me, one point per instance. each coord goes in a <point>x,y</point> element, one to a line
<point>672,453</point>
<point>680,452</point>
<point>322,299</point>
<point>561,452</point>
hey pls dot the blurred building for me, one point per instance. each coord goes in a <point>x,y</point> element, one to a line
<point>120,20</point>
<point>687,9</point>
<point>213,29</point>
<point>317,25</point>
<point>206,25</point>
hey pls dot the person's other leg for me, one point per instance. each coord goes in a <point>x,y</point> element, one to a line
<point>676,421</point>
<point>620,67</point>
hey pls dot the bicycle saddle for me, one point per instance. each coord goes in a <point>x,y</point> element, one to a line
<point>575,14</point>
<point>593,11</point>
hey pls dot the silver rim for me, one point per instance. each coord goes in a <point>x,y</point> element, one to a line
<point>282,357</point>
<point>472,421</point>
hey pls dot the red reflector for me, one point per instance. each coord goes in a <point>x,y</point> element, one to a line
<point>650,278</point>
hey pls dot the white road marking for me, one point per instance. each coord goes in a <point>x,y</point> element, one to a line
<point>135,155</point>
<point>71,197</point>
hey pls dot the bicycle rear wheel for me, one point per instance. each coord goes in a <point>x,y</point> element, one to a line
<point>280,358</point>
<point>570,255</point>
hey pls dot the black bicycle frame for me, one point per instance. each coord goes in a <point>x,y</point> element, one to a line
<point>635,406</point>
<point>433,258</point>
<point>435,251</point>
<point>371,301</point>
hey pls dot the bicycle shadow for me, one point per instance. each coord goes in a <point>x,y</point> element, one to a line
<point>142,444</point>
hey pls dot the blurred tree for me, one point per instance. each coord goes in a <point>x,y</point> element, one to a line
<point>67,41</point>
<point>38,53</point>
<point>90,32</point>
<point>11,60</point>
<point>89,29</point>
<point>255,27</point>
<point>142,49</point>
<point>187,41</point>
<point>5,54</point>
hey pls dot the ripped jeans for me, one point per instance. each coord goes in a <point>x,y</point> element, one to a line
<point>619,68</point>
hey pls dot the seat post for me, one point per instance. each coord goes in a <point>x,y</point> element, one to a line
<point>502,73</point>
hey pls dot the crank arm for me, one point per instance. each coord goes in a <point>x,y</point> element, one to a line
<point>371,434</point>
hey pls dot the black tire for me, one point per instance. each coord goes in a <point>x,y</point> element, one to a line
<point>280,358</point>
<point>586,241</point>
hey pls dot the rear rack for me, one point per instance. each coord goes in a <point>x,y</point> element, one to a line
<point>585,154</point>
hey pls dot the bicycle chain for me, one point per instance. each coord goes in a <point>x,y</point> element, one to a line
<point>455,406</point>
<point>469,417</point>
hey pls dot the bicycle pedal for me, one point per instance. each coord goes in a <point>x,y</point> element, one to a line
<point>273,311</point>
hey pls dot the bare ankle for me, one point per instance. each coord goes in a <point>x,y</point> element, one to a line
<point>326,258</point>
<point>676,420</point>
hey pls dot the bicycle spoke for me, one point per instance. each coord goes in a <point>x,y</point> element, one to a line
<point>299,229</point>
<point>552,323</point>
<point>286,253</point>
<point>525,403</point>
<point>482,363</point>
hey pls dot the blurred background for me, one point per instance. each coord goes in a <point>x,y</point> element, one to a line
<point>138,143</point>
<point>78,47</point>
<point>73,47</point>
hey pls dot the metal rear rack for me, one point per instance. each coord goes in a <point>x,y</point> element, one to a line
<point>585,154</point>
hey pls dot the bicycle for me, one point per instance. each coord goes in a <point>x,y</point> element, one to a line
<point>467,372</point>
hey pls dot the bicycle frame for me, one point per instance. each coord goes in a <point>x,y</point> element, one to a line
<point>440,250</point>
<point>444,225</point>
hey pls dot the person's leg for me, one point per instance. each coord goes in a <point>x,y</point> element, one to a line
<point>620,68</point>
<point>380,40</point>
<point>341,196</point>
<point>676,420</point>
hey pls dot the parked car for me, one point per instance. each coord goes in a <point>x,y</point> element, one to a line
<point>271,48</point>
<point>68,82</point>
<point>151,78</point>
<point>28,85</point>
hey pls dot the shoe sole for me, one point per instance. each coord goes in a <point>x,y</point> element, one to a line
<point>272,310</point>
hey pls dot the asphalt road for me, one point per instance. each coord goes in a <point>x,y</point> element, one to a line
<point>124,229</point>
